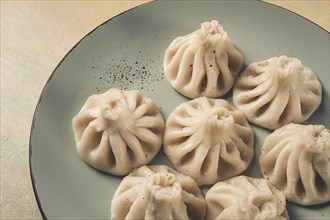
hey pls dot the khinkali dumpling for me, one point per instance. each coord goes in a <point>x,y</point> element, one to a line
<point>157,192</point>
<point>118,131</point>
<point>245,197</point>
<point>203,63</point>
<point>208,140</point>
<point>277,91</point>
<point>296,159</point>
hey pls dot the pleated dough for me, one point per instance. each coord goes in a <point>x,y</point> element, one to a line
<point>296,159</point>
<point>203,63</point>
<point>157,192</point>
<point>277,91</point>
<point>245,197</point>
<point>118,131</point>
<point>208,140</point>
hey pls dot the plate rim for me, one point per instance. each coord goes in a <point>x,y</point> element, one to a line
<point>36,110</point>
<point>41,96</point>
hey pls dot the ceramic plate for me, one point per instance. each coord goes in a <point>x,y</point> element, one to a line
<point>127,52</point>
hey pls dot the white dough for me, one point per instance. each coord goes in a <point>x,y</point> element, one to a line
<point>157,192</point>
<point>118,131</point>
<point>245,197</point>
<point>277,91</point>
<point>208,139</point>
<point>296,159</point>
<point>203,63</point>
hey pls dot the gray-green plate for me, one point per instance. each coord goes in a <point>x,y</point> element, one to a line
<point>127,52</point>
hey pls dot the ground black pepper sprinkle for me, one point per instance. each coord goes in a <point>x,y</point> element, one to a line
<point>127,73</point>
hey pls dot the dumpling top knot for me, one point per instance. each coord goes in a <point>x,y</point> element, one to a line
<point>163,179</point>
<point>286,68</point>
<point>219,120</point>
<point>318,137</point>
<point>208,37</point>
<point>212,28</point>
<point>221,113</point>
<point>114,108</point>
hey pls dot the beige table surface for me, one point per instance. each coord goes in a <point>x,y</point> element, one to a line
<point>35,35</point>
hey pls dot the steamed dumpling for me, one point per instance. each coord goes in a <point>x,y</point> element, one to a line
<point>208,140</point>
<point>157,192</point>
<point>203,63</point>
<point>245,197</point>
<point>117,131</point>
<point>296,159</point>
<point>277,91</point>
